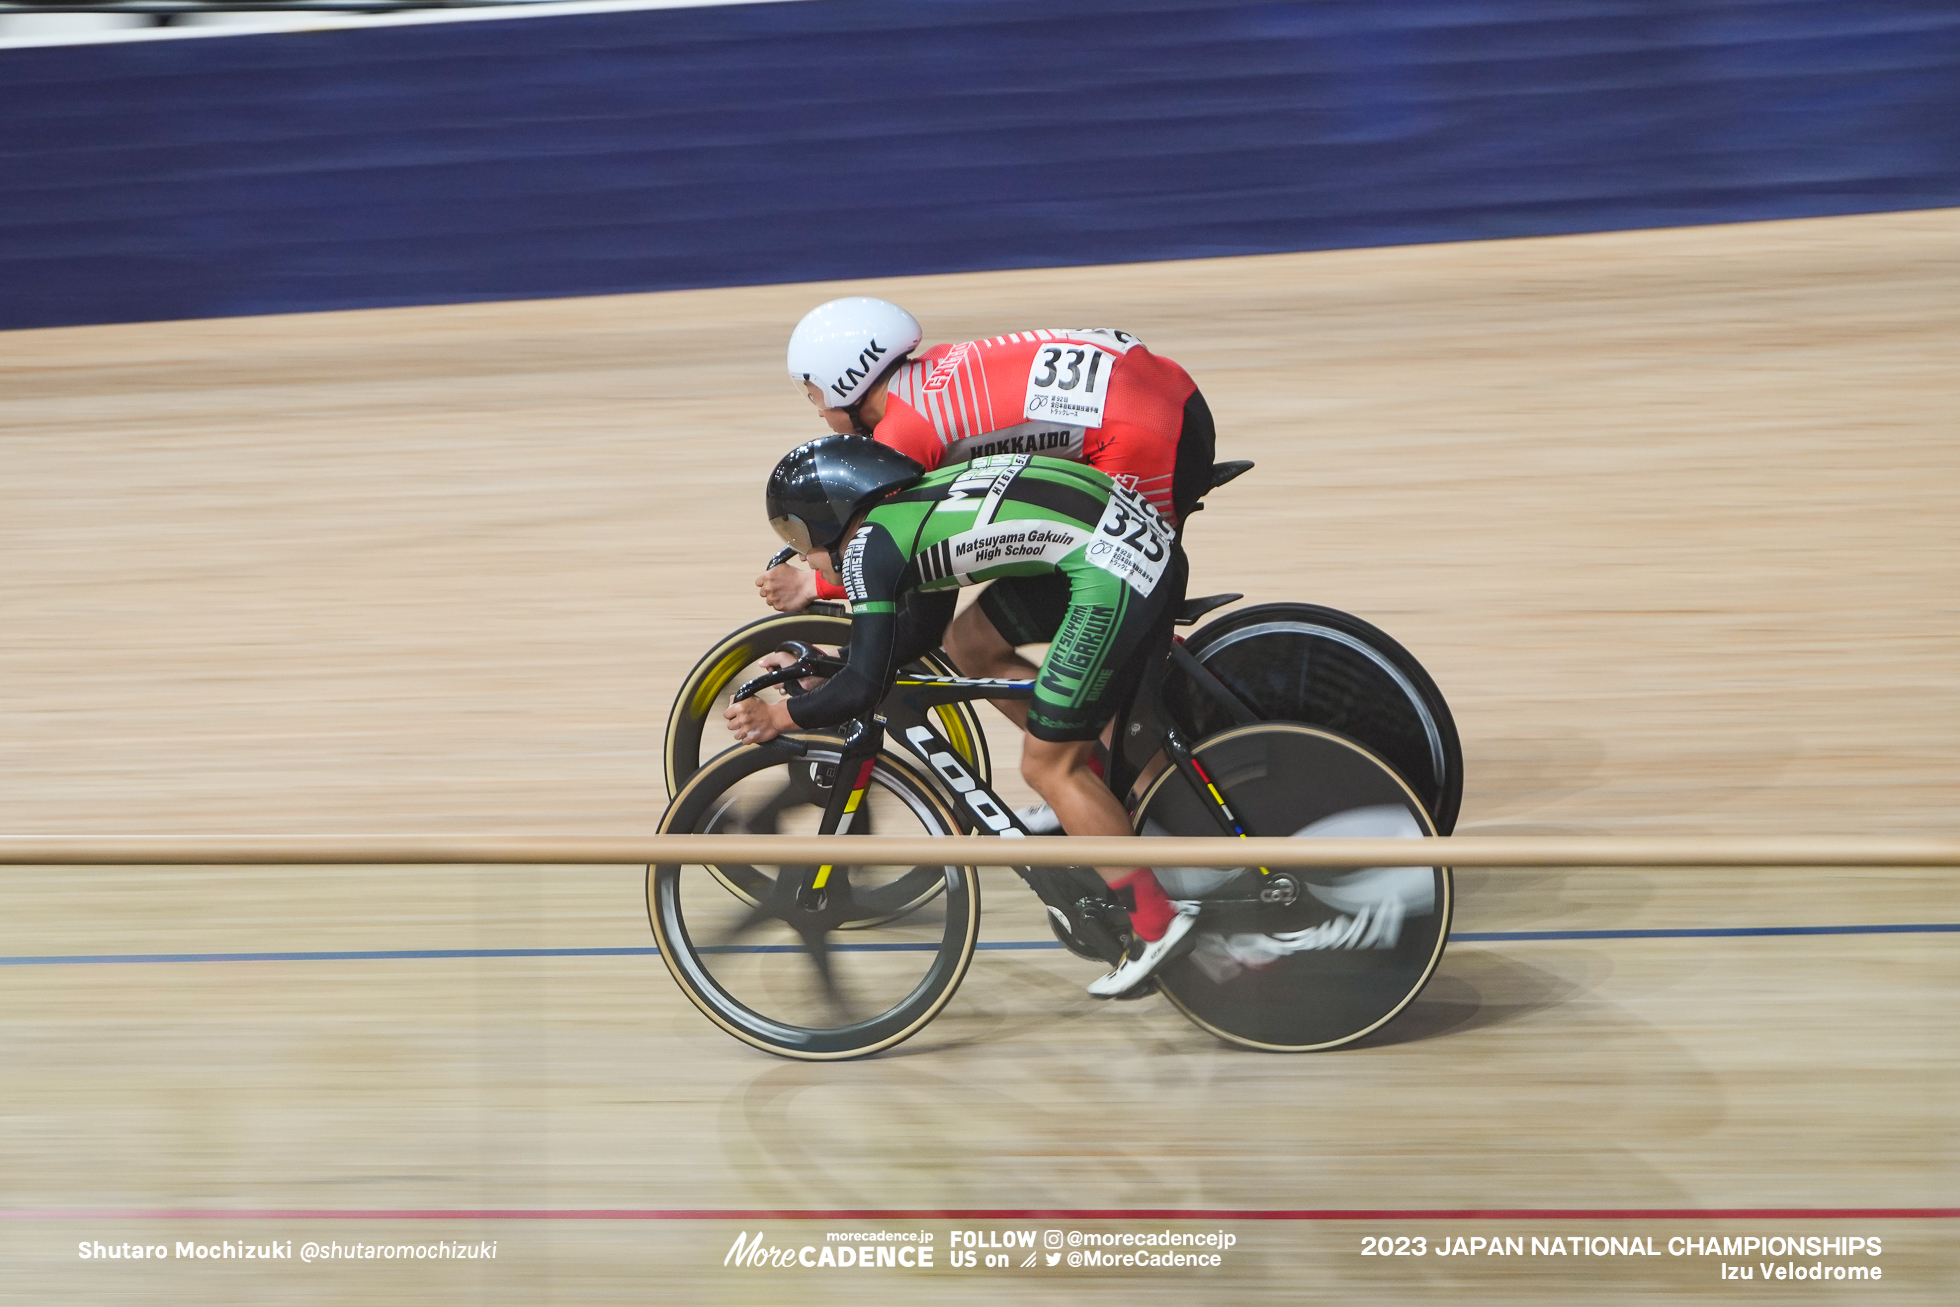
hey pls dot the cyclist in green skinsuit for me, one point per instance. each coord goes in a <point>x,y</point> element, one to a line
<point>902,542</point>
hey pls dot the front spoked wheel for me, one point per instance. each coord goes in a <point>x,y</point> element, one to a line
<point>694,724</point>
<point>815,971</point>
<point>1300,959</point>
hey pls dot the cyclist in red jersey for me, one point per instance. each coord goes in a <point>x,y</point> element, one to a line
<point>1092,394</point>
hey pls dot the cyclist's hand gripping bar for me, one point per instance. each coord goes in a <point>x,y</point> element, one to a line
<point>808,663</point>
<point>813,662</point>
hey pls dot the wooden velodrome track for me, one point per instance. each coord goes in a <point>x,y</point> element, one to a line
<point>1669,515</point>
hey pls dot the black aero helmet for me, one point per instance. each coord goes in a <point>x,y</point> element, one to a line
<point>820,486</point>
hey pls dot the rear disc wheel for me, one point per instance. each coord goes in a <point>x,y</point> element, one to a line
<point>1300,959</point>
<point>1323,667</point>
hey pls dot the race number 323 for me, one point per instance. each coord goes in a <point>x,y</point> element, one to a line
<point>1069,382</point>
<point>1132,540</point>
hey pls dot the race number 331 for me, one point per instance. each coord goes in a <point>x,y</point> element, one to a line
<point>1069,382</point>
<point>1132,540</point>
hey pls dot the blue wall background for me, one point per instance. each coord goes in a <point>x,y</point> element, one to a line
<point>843,138</point>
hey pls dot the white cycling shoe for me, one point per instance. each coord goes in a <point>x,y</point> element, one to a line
<point>1144,961</point>
<point>1040,819</point>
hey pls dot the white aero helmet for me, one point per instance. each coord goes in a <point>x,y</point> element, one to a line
<point>844,346</point>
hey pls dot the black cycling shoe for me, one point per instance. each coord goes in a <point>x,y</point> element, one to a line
<point>1081,911</point>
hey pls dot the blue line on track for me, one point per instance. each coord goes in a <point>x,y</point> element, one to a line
<point>1704,932</point>
<point>414,954</point>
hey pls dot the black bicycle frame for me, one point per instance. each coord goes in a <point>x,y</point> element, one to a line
<point>1087,909</point>
<point>904,715</point>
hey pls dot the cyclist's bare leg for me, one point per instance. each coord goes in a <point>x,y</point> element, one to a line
<point>1059,772</point>
<point>977,649</point>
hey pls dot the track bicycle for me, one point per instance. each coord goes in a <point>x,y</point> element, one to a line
<point>822,962</point>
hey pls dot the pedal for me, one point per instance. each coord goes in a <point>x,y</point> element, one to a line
<point>1077,902</point>
<point>1094,933</point>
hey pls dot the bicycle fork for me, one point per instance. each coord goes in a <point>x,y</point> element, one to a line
<point>862,744</point>
<point>849,781</point>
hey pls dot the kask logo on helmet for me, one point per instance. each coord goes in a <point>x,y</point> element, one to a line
<point>867,356</point>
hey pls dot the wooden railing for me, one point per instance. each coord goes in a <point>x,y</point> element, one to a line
<point>1455,851</point>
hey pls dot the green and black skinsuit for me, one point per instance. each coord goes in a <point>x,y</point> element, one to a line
<point>1009,515</point>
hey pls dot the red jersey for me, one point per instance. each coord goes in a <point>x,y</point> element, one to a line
<point>1090,394</point>
<point>1094,395</point>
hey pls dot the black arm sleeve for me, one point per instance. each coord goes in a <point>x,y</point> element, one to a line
<point>922,624</point>
<point>861,685</point>
<point>873,567</point>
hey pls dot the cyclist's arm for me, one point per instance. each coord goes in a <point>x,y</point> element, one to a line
<point>922,624</point>
<point>873,566</point>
